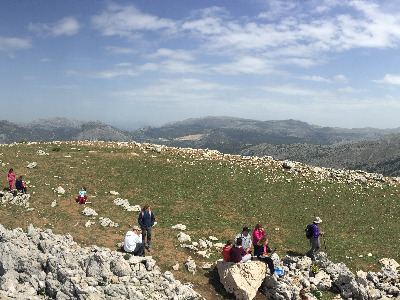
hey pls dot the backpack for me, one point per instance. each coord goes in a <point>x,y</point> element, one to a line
<point>309,231</point>
<point>143,213</point>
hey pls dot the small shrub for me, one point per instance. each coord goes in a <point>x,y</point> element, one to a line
<point>127,256</point>
<point>316,293</point>
<point>56,149</point>
<point>314,269</point>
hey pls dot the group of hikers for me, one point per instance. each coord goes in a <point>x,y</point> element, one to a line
<point>19,184</point>
<point>239,250</point>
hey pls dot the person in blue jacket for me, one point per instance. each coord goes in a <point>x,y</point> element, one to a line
<point>146,221</point>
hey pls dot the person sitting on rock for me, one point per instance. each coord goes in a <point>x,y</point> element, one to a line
<point>246,239</point>
<point>314,240</point>
<point>20,185</point>
<point>82,196</point>
<point>226,251</point>
<point>258,233</point>
<point>237,253</point>
<point>133,242</point>
<point>262,255</point>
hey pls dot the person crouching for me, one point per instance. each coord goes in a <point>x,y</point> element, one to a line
<point>133,242</point>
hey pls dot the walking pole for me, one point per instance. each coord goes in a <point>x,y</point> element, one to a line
<point>324,242</point>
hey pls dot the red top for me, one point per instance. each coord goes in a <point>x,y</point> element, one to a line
<point>226,253</point>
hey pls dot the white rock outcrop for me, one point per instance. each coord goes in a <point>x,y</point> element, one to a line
<point>241,279</point>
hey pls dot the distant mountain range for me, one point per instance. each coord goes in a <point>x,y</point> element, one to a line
<point>368,149</point>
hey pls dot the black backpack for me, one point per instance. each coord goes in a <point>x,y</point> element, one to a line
<point>309,231</point>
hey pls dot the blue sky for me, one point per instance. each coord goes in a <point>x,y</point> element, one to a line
<point>132,63</point>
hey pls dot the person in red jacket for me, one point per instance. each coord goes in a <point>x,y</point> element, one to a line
<point>226,251</point>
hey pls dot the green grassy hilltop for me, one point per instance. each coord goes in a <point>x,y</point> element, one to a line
<point>211,194</point>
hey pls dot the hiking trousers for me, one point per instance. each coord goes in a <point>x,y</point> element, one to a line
<point>315,245</point>
<point>269,262</point>
<point>146,230</point>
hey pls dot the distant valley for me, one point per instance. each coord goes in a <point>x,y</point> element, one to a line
<point>368,149</point>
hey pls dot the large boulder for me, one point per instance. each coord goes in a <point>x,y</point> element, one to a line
<point>241,279</point>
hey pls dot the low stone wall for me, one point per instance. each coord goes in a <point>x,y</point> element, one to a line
<point>42,265</point>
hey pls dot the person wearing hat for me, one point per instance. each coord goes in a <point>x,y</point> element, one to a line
<point>246,239</point>
<point>133,242</point>
<point>314,240</point>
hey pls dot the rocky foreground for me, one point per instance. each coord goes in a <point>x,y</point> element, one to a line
<point>42,265</point>
<point>245,279</point>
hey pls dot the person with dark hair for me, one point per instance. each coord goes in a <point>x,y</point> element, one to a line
<point>262,255</point>
<point>20,185</point>
<point>314,240</point>
<point>82,196</point>
<point>258,233</point>
<point>303,295</point>
<point>237,253</point>
<point>133,242</point>
<point>226,251</point>
<point>246,239</point>
<point>146,221</point>
<point>11,179</point>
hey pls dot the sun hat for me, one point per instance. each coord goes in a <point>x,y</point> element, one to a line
<point>317,220</point>
<point>135,227</point>
<point>246,229</point>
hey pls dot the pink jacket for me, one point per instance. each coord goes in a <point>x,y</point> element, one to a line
<point>257,235</point>
<point>11,177</point>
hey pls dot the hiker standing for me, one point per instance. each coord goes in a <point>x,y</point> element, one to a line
<point>11,178</point>
<point>258,233</point>
<point>146,221</point>
<point>246,239</point>
<point>314,239</point>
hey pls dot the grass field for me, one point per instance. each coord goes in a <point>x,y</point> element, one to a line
<point>211,197</point>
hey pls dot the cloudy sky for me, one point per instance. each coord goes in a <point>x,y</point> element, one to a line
<point>132,63</point>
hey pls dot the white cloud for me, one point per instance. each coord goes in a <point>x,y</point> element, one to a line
<point>127,20</point>
<point>316,78</point>
<point>393,79</point>
<point>293,90</point>
<point>120,50</point>
<point>341,78</point>
<point>9,44</point>
<point>245,65</point>
<point>176,54</point>
<point>66,26</point>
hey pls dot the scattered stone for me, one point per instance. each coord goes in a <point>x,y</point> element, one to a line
<point>59,190</point>
<point>89,212</point>
<point>125,204</point>
<point>212,238</point>
<point>106,222</point>
<point>179,227</point>
<point>89,223</point>
<point>16,199</point>
<point>175,267</point>
<point>207,266</point>
<point>41,152</point>
<point>183,237</point>
<point>203,253</point>
<point>114,193</point>
<point>32,165</point>
<point>190,265</point>
<point>54,203</point>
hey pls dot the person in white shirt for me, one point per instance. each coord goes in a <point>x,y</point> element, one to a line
<point>133,242</point>
<point>246,239</point>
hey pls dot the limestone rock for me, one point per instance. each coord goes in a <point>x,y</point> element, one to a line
<point>59,190</point>
<point>106,222</point>
<point>89,212</point>
<point>190,265</point>
<point>241,279</point>
<point>32,165</point>
<point>183,237</point>
<point>179,227</point>
<point>125,204</point>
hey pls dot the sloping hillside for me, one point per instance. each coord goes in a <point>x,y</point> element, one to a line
<point>211,193</point>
